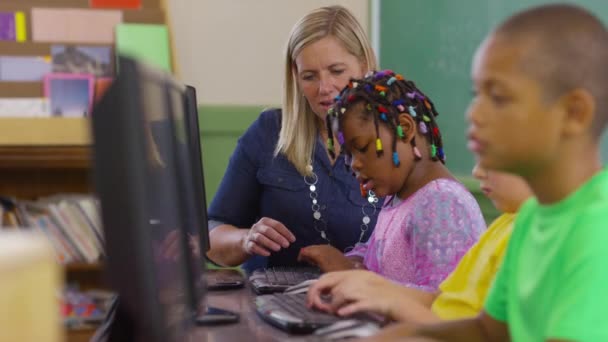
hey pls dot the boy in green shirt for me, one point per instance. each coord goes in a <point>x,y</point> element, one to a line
<point>540,108</point>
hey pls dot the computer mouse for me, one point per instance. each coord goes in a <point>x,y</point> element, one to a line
<point>348,328</point>
<point>300,287</point>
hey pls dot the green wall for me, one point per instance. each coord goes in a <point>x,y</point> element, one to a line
<point>221,126</point>
<point>432,43</point>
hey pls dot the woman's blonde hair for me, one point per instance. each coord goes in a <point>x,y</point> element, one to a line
<point>298,129</point>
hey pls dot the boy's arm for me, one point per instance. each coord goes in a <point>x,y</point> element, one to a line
<point>481,328</point>
<point>424,298</point>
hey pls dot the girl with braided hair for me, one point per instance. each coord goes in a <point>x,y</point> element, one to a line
<point>386,127</point>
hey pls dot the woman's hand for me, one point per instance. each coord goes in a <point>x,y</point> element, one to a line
<point>265,236</point>
<point>326,257</point>
<point>356,291</point>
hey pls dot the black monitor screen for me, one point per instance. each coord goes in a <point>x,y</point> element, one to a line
<point>196,157</point>
<point>137,181</point>
<point>189,193</point>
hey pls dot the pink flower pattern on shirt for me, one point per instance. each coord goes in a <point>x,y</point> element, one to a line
<point>419,241</point>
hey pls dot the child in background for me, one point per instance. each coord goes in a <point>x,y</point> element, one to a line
<point>387,128</point>
<point>461,295</point>
<point>540,109</point>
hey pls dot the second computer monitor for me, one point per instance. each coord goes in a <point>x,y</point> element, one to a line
<point>193,129</point>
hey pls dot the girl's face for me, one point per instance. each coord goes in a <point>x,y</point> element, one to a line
<point>377,173</point>
<point>323,69</point>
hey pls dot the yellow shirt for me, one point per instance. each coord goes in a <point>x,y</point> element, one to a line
<point>464,291</point>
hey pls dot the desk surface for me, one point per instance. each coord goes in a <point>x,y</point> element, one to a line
<point>250,327</point>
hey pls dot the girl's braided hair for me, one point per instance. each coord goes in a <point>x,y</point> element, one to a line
<point>385,96</point>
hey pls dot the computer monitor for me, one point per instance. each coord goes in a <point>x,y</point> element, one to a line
<point>188,190</point>
<point>185,146</point>
<point>136,179</point>
<point>216,279</point>
<point>196,157</point>
<point>191,184</point>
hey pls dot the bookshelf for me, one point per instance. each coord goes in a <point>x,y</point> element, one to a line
<point>44,156</point>
<point>30,169</point>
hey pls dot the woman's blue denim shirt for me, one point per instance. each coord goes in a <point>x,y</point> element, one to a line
<point>258,184</point>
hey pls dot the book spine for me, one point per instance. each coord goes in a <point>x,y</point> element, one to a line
<point>67,247</point>
<point>81,238</point>
<point>60,253</point>
<point>65,230</point>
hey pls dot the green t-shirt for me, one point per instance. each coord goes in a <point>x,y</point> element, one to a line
<point>554,279</point>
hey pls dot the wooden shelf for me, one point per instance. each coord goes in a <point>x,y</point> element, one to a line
<point>44,131</point>
<point>29,172</point>
<point>45,157</point>
<point>83,266</point>
<point>87,276</point>
<point>81,335</point>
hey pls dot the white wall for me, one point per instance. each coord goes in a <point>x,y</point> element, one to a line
<point>232,50</point>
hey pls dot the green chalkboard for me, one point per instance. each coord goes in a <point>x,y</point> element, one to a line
<point>432,43</point>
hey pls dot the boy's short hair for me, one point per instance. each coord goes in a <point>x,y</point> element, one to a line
<point>567,49</point>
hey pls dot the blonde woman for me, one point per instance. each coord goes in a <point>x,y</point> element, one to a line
<point>282,191</point>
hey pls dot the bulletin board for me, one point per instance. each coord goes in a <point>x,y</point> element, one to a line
<point>58,56</point>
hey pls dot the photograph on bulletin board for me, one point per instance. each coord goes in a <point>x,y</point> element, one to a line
<point>70,95</point>
<point>78,59</point>
<point>125,4</point>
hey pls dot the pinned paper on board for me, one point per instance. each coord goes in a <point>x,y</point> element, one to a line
<point>123,4</point>
<point>148,43</point>
<point>74,25</point>
<point>24,107</point>
<point>70,95</point>
<point>12,26</point>
<point>101,85</point>
<point>24,68</point>
<point>80,59</point>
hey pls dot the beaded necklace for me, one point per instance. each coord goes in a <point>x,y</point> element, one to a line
<point>320,225</point>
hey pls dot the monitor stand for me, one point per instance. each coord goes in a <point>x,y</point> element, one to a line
<point>223,279</point>
<point>213,316</point>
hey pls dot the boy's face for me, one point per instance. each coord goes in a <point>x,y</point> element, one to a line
<point>511,128</point>
<point>506,191</point>
<point>375,173</point>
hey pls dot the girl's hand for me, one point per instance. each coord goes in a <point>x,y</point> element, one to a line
<point>356,291</point>
<point>265,236</point>
<point>326,257</point>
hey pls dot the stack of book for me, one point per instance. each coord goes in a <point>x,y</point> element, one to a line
<point>72,224</point>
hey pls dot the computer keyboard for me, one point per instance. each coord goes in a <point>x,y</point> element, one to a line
<point>289,312</point>
<point>290,276</point>
<point>277,279</point>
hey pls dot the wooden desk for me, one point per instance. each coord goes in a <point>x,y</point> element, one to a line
<point>250,328</point>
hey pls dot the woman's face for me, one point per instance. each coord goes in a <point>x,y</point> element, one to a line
<point>323,69</point>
